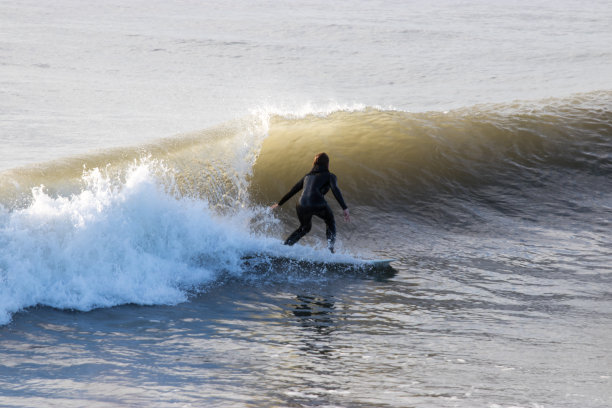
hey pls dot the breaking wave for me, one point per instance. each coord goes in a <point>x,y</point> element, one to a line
<point>151,224</point>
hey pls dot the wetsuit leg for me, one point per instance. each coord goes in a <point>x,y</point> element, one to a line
<point>305,217</point>
<point>330,225</point>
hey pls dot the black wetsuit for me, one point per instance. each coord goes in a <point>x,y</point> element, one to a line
<point>312,202</point>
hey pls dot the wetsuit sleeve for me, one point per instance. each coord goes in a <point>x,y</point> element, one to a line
<point>333,181</point>
<point>291,193</point>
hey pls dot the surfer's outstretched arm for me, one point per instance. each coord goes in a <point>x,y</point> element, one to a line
<point>298,186</point>
<point>333,182</point>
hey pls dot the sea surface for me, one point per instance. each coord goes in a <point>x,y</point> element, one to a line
<point>142,144</point>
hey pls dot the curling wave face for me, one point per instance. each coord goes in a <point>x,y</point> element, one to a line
<point>508,158</point>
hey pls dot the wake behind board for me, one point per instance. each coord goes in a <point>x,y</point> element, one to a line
<point>378,263</point>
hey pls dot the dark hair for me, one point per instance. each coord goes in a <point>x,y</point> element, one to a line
<point>321,160</point>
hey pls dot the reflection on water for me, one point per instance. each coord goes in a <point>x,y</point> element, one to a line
<point>315,313</point>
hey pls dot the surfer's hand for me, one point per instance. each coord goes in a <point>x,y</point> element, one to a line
<point>274,206</point>
<point>347,216</point>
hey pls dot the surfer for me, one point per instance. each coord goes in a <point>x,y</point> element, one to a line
<point>312,201</point>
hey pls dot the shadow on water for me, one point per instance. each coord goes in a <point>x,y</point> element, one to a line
<point>314,312</point>
<point>318,319</point>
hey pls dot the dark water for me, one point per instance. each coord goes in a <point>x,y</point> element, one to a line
<point>501,296</point>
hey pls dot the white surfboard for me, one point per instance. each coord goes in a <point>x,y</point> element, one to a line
<point>368,264</point>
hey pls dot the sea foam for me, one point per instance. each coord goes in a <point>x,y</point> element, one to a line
<point>120,240</point>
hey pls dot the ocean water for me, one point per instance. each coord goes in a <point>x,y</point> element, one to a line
<point>141,144</point>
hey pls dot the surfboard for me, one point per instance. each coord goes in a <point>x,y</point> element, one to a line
<point>283,262</point>
<point>367,265</point>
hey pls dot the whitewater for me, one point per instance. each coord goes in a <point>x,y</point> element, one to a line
<point>142,144</point>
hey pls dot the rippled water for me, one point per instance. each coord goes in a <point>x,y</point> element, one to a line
<point>447,328</point>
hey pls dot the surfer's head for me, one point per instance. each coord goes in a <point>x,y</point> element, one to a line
<point>321,160</point>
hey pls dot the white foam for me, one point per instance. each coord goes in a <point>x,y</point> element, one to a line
<point>264,112</point>
<point>113,243</point>
<point>124,240</point>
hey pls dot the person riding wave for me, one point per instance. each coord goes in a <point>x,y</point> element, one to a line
<point>312,202</point>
